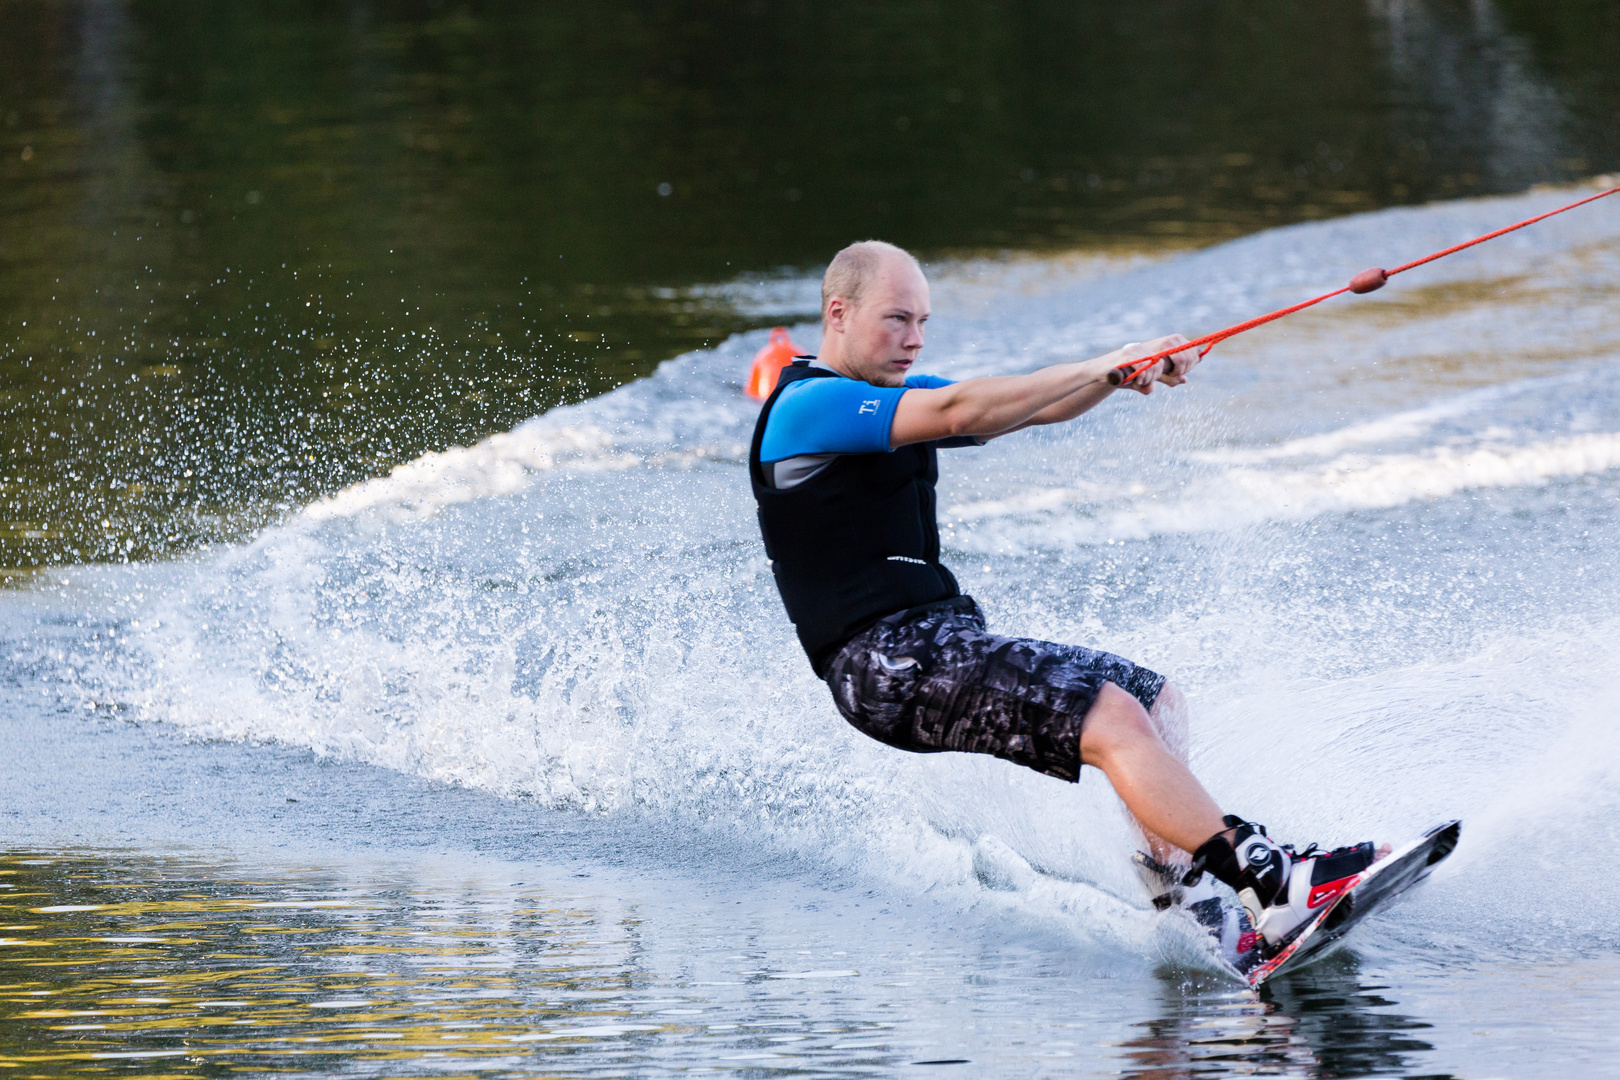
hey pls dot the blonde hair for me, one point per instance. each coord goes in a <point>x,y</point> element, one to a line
<point>852,269</point>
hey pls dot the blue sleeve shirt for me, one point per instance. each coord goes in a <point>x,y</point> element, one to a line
<point>835,416</point>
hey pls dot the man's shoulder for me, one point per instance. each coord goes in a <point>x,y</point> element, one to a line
<point>836,415</point>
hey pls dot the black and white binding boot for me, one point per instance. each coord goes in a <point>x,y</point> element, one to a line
<point>1280,888</point>
<point>1226,922</point>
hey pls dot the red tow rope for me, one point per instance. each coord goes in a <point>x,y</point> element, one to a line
<point>1365,282</point>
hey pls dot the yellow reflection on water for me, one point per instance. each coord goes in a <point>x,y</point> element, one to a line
<point>108,964</point>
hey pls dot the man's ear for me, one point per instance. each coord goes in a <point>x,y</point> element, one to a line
<point>837,314</point>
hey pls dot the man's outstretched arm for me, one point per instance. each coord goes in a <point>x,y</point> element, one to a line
<point>996,405</point>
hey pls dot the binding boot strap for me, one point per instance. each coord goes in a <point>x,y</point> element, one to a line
<point>1250,860</point>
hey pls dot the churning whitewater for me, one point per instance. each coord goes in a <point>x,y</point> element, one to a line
<point>1374,543</point>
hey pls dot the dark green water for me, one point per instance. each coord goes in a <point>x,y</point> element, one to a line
<point>252,252</point>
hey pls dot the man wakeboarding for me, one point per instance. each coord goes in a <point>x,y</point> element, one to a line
<point>843,464</point>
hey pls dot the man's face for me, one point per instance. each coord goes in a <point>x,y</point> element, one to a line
<point>884,333</point>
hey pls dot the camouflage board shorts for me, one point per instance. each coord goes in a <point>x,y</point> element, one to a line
<point>931,679</point>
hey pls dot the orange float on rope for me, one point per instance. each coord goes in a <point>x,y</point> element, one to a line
<point>769,362</point>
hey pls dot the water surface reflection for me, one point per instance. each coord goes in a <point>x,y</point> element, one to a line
<point>139,965</point>
<point>1325,1022</point>
<point>129,960</point>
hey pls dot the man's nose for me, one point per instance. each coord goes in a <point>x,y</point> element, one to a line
<point>913,338</point>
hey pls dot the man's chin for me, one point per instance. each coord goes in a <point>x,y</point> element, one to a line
<point>888,375</point>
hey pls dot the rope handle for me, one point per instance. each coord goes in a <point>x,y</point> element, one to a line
<point>1365,282</point>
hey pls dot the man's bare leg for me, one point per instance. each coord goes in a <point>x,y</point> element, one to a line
<point>1160,793</point>
<point>1170,719</point>
<point>1152,780</point>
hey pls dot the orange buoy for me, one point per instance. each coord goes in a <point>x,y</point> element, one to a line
<point>769,362</point>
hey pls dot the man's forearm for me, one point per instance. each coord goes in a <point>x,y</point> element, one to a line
<point>994,406</point>
<point>1072,406</point>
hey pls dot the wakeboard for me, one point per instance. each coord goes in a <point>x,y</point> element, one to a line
<point>1374,887</point>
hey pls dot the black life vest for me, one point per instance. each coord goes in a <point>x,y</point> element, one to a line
<point>853,543</point>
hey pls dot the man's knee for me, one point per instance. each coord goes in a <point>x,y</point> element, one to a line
<point>1116,722</point>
